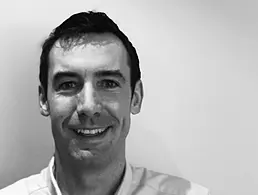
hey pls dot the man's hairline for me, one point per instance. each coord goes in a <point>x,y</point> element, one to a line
<point>114,36</point>
<point>88,38</point>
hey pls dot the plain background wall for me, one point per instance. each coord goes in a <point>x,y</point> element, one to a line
<point>200,73</point>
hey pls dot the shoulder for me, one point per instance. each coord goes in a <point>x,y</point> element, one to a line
<point>32,185</point>
<point>149,181</point>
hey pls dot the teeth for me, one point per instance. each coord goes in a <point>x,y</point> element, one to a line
<point>90,132</point>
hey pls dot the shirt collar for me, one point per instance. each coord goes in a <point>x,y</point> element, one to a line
<point>122,190</point>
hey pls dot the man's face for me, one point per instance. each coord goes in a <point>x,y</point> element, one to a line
<point>89,99</point>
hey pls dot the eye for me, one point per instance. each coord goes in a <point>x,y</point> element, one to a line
<point>69,85</point>
<point>108,84</point>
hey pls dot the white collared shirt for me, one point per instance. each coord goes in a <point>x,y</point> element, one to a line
<point>136,181</point>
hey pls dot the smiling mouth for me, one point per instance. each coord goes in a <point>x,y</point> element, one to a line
<point>91,132</point>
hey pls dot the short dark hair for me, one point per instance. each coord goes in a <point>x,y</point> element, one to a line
<point>76,27</point>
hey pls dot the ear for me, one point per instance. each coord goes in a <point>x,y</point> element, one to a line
<point>137,98</point>
<point>43,103</point>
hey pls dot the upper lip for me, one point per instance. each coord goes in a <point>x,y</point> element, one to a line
<point>90,128</point>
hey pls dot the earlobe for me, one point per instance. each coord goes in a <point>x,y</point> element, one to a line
<point>137,98</point>
<point>43,103</point>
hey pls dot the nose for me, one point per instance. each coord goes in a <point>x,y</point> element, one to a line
<point>88,103</point>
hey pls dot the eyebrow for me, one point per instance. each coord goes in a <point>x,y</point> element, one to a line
<point>62,74</point>
<point>110,73</point>
<point>101,73</point>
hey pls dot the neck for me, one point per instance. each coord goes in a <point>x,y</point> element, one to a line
<point>82,178</point>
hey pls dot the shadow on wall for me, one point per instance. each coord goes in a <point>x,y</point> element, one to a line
<point>26,144</point>
<point>152,152</point>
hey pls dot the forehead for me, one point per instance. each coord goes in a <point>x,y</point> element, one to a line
<point>93,52</point>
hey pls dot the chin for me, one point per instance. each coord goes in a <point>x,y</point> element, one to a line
<point>86,154</point>
<point>83,154</point>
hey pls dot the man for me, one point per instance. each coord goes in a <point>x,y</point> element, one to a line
<point>90,83</point>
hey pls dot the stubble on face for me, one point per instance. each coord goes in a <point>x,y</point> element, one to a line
<point>103,52</point>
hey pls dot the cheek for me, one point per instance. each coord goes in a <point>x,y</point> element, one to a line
<point>120,109</point>
<point>114,105</point>
<point>118,106</point>
<point>61,107</point>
